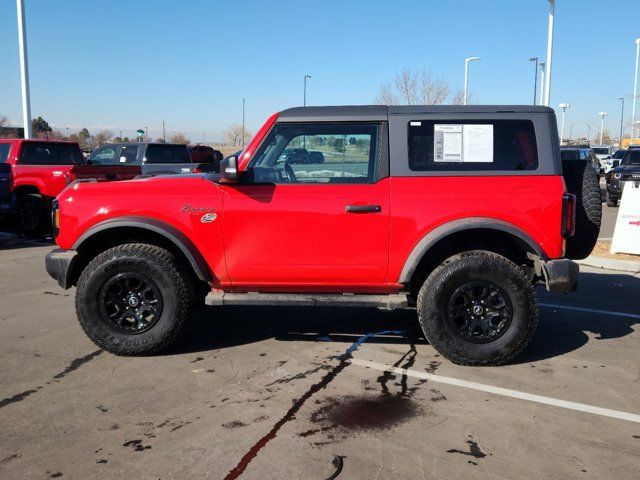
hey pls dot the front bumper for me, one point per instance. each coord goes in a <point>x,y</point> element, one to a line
<point>560,275</point>
<point>59,265</point>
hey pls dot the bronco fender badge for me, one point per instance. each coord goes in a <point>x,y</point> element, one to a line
<point>208,217</point>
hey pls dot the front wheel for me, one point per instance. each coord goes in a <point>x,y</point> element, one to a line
<point>478,308</point>
<point>134,299</point>
<point>33,215</point>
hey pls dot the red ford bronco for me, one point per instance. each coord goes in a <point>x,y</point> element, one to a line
<point>456,211</point>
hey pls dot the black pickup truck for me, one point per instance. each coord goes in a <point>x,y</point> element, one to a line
<point>153,158</point>
<point>7,200</point>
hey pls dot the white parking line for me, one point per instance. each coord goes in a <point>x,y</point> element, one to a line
<point>590,310</point>
<point>505,392</point>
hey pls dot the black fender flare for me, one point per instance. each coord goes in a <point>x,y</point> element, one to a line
<point>444,230</point>
<point>175,236</point>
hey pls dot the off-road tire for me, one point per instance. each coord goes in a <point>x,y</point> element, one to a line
<point>610,202</point>
<point>168,273</point>
<point>584,183</point>
<point>33,215</point>
<point>478,265</point>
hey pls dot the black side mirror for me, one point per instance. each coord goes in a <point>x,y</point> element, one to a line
<point>616,163</point>
<point>229,169</point>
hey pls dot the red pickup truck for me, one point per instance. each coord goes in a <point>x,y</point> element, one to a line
<point>41,169</point>
<point>457,211</point>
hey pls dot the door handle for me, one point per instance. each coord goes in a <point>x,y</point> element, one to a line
<point>362,208</point>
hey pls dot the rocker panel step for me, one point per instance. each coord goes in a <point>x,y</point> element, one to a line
<point>383,302</point>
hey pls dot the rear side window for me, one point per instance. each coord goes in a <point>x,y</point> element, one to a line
<point>472,145</point>
<point>71,154</point>
<point>4,151</point>
<point>167,154</point>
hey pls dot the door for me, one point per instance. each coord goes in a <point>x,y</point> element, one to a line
<point>310,211</point>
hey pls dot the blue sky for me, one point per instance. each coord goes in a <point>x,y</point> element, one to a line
<point>124,65</point>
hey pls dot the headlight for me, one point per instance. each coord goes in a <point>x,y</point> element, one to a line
<point>617,175</point>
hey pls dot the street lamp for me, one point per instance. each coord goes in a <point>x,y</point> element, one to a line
<point>635,91</point>
<point>243,123</point>
<point>304,102</point>
<point>564,107</point>
<point>24,69</point>
<point>542,65</point>
<point>621,121</point>
<point>466,76</point>
<point>602,115</point>
<point>535,79</point>
<point>547,92</point>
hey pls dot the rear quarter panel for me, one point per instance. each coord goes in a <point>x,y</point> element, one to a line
<point>419,205</point>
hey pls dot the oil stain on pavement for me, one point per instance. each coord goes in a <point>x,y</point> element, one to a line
<point>366,412</point>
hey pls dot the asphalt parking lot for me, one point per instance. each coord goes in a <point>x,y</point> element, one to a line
<point>262,393</point>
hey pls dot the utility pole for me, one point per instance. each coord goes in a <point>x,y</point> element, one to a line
<point>24,70</point>
<point>547,92</point>
<point>621,121</point>
<point>164,136</point>
<point>535,79</point>
<point>146,133</point>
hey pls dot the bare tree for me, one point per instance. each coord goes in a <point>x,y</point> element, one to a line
<point>417,88</point>
<point>179,137</point>
<point>3,120</point>
<point>233,135</point>
<point>103,136</point>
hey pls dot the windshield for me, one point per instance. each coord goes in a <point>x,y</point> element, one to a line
<point>601,151</point>
<point>619,154</point>
<point>632,158</point>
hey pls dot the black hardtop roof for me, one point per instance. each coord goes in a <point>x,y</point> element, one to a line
<point>379,112</point>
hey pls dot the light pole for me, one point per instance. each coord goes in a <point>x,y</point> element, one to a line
<point>621,121</point>
<point>466,76</point>
<point>535,79</point>
<point>24,69</point>
<point>564,107</point>
<point>243,123</point>
<point>635,91</point>
<point>547,92</point>
<point>571,130</point>
<point>542,65</point>
<point>304,98</point>
<point>602,115</point>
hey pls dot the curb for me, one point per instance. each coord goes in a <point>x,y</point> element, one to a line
<point>630,266</point>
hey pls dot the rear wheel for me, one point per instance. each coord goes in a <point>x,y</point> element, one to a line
<point>134,299</point>
<point>33,215</point>
<point>478,308</point>
<point>611,202</point>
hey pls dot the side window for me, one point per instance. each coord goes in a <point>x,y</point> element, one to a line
<point>472,145</point>
<point>318,153</point>
<point>39,154</point>
<point>128,154</point>
<point>70,155</point>
<point>4,151</point>
<point>167,154</point>
<point>104,156</point>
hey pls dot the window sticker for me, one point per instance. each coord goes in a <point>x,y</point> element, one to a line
<point>478,143</point>
<point>463,143</point>
<point>447,143</point>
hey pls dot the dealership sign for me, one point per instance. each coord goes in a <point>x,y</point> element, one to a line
<point>626,237</point>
